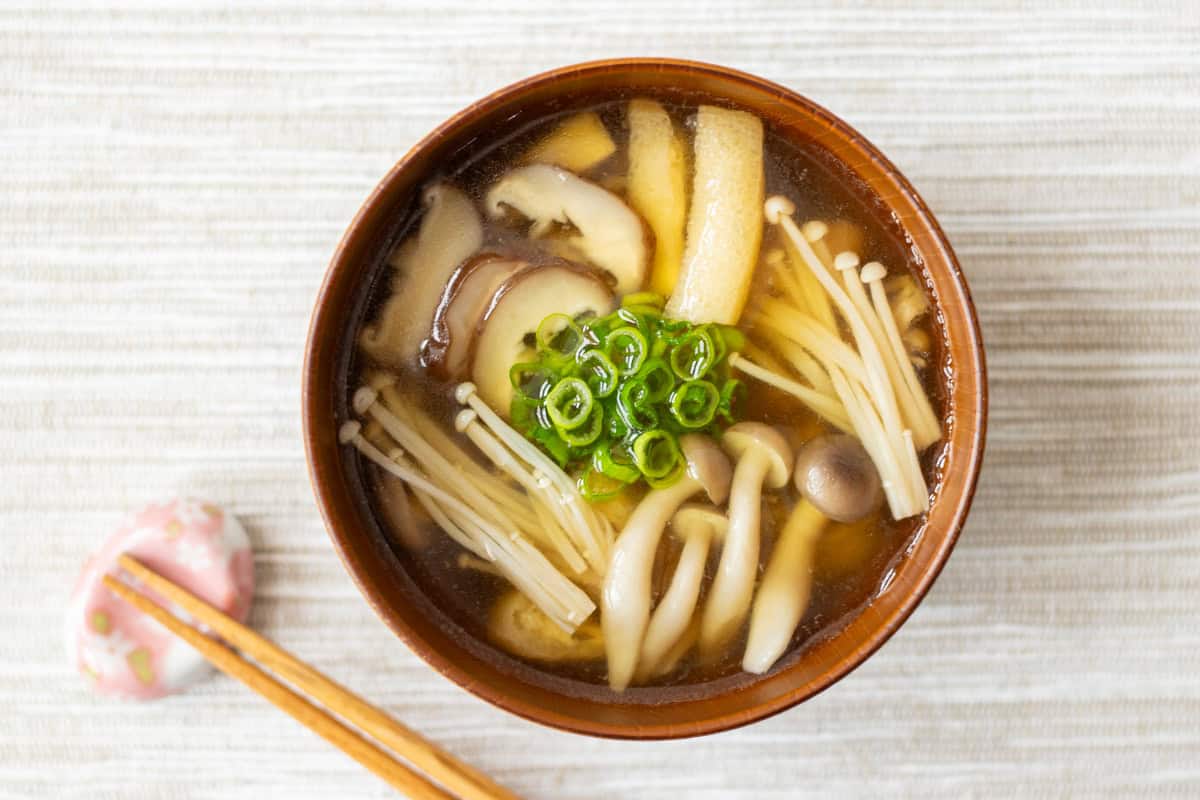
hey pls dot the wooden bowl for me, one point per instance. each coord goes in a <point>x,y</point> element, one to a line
<point>380,573</point>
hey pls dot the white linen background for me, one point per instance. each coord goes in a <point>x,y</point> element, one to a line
<point>173,181</point>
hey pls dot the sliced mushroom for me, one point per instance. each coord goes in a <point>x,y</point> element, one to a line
<point>521,303</point>
<point>696,525</point>
<point>465,300</point>
<point>450,232</point>
<point>610,235</point>
<point>763,459</point>
<point>396,507</point>
<point>625,600</point>
<point>837,480</point>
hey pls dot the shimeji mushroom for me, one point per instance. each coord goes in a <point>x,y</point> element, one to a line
<point>697,525</point>
<point>685,643</point>
<point>837,481</point>
<point>625,599</point>
<point>837,476</point>
<point>764,458</point>
<point>847,374</point>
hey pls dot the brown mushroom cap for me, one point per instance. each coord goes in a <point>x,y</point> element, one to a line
<point>707,465</point>
<point>836,475</point>
<point>694,518</point>
<point>463,304</point>
<point>744,436</point>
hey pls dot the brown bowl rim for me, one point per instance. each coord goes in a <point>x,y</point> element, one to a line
<point>977,416</point>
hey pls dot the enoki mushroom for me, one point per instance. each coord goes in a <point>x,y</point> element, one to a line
<point>876,393</point>
<point>479,510</point>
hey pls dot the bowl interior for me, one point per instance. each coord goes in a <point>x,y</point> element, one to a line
<point>380,573</point>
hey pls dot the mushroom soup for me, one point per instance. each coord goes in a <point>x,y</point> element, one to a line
<point>646,397</point>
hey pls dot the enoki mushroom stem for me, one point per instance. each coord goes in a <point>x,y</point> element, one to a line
<point>822,404</point>
<point>467,423</point>
<point>879,393</point>
<point>590,533</point>
<point>523,564</point>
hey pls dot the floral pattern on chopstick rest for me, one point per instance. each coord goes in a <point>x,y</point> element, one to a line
<point>193,543</point>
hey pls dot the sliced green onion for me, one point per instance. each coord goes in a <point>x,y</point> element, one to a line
<point>726,338</point>
<point>604,462</point>
<point>608,396</point>
<point>552,443</point>
<point>674,326</point>
<point>558,334</point>
<point>658,380</point>
<point>523,412</point>
<point>733,396</point>
<point>630,317</point>
<point>626,347</point>
<point>595,485</point>
<point>694,404</point>
<point>650,299</point>
<point>532,379</point>
<point>666,480</point>
<point>635,407</point>
<point>585,433</point>
<point>601,373</point>
<point>692,356</point>
<point>616,426</point>
<point>569,404</point>
<point>656,453</point>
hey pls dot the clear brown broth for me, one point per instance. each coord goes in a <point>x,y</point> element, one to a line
<point>852,561</point>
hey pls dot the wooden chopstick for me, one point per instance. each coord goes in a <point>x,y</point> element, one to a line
<point>334,732</point>
<point>462,779</point>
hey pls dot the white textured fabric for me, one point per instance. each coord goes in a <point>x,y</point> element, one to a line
<point>173,181</point>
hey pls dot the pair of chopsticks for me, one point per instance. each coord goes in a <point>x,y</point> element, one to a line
<point>460,779</point>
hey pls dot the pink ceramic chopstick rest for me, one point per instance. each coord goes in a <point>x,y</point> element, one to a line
<point>193,543</point>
